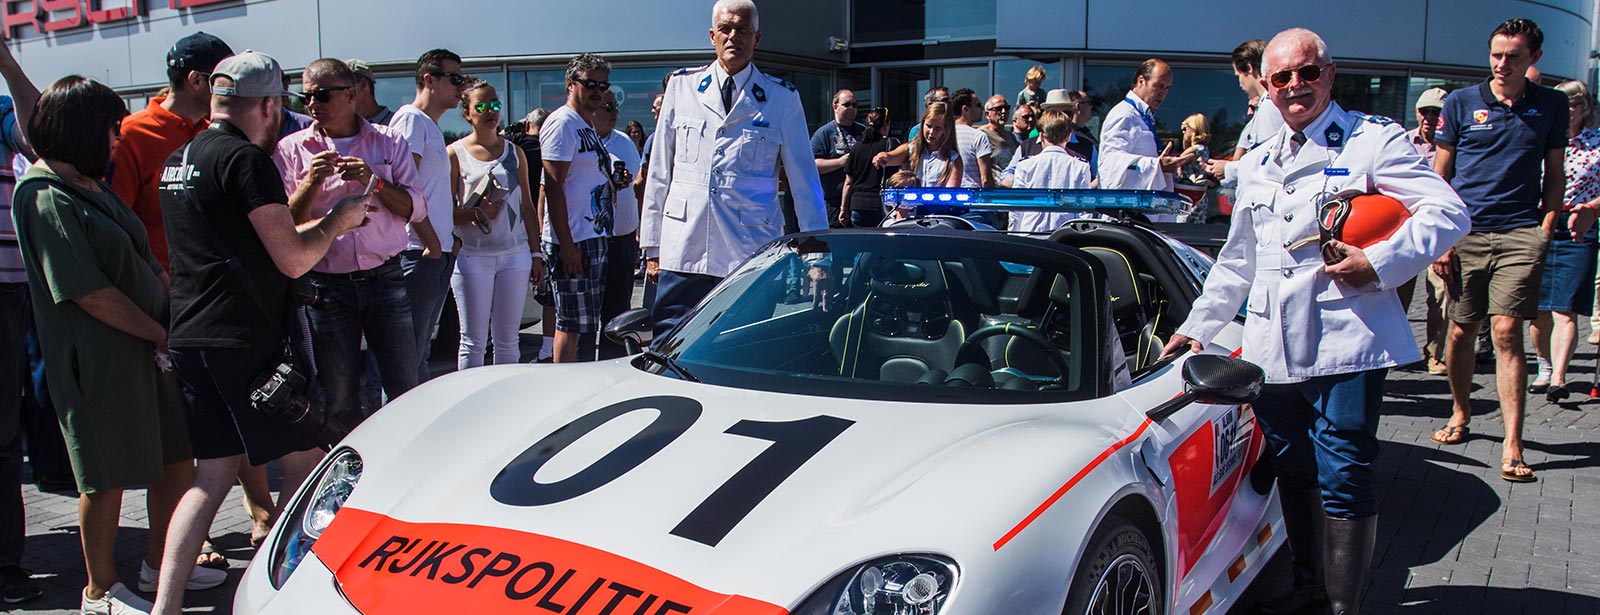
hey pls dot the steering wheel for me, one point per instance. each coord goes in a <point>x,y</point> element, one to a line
<point>1022,333</point>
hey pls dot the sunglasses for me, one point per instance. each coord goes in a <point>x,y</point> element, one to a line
<point>610,107</point>
<point>1000,108</point>
<point>592,84</point>
<point>1330,226</point>
<point>456,79</point>
<point>486,106</point>
<point>322,95</point>
<point>1309,73</point>
<point>939,100</point>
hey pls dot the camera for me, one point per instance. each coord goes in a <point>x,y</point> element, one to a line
<point>619,173</point>
<point>281,393</point>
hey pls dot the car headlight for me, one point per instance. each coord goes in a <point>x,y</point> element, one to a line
<point>899,585</point>
<point>313,511</point>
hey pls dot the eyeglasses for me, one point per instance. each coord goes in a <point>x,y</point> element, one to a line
<point>456,79</point>
<point>610,107</point>
<point>322,95</point>
<point>1309,73</point>
<point>592,84</point>
<point>486,106</point>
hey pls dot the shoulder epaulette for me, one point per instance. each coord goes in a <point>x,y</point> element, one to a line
<point>781,82</point>
<point>688,69</point>
<point>1376,119</point>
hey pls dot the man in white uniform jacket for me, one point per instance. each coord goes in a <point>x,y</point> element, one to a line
<point>1131,157</point>
<point>711,197</point>
<point>1325,334</point>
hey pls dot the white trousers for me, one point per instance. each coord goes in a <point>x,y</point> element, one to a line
<point>490,293</point>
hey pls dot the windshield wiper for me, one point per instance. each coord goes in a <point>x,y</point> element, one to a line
<point>669,363</point>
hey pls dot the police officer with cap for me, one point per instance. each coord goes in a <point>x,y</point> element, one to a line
<point>1325,334</point>
<point>711,197</point>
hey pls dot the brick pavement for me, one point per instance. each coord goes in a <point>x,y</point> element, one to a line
<point>1453,537</point>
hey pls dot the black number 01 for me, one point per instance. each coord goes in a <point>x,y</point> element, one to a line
<point>793,444</point>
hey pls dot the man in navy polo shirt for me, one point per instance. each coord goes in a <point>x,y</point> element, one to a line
<point>1501,145</point>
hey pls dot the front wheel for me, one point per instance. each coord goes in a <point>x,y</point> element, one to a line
<point>1119,574</point>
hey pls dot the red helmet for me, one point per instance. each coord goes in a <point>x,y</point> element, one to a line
<point>1363,219</point>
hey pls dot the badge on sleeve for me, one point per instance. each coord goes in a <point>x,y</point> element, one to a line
<point>705,83</point>
<point>760,94</point>
<point>1334,135</point>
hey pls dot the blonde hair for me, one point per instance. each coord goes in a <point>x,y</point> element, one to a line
<point>903,179</point>
<point>1035,75</point>
<point>1199,130</point>
<point>940,115</point>
<point>1055,127</point>
<point>1577,92</point>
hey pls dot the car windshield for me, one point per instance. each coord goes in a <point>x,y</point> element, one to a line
<point>918,315</point>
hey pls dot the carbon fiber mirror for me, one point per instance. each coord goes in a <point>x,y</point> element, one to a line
<point>632,329</point>
<point>1214,379</point>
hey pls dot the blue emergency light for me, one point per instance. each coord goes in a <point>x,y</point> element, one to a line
<point>930,201</point>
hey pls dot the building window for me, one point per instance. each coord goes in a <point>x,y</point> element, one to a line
<point>1383,95</point>
<point>1417,85</point>
<point>916,20</point>
<point>1010,77</point>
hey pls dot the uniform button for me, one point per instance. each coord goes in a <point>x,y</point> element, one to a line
<point>713,191</point>
<point>1288,243</point>
<point>1288,217</point>
<point>1288,189</point>
<point>1288,273</point>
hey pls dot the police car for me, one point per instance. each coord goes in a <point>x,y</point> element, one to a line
<point>902,420</point>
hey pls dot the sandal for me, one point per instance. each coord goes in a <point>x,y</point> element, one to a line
<point>210,558</point>
<point>1451,434</point>
<point>1511,475</point>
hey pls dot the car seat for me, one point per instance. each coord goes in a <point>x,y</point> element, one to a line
<point>904,326</point>
<point>1135,309</point>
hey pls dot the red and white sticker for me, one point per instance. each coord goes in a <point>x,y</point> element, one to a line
<point>385,565</point>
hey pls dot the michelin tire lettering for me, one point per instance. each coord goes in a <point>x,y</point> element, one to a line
<point>793,444</point>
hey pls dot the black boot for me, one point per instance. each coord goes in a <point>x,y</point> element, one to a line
<point>1303,522</point>
<point>1349,555</point>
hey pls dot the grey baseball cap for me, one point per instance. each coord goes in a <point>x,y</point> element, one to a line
<point>254,75</point>
<point>361,69</point>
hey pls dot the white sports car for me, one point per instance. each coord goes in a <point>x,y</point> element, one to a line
<point>912,421</point>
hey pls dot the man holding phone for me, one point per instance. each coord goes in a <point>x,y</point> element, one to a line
<point>363,287</point>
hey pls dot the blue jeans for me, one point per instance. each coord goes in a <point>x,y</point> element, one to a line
<point>427,282</point>
<point>676,294</point>
<point>1324,434</point>
<point>373,303</point>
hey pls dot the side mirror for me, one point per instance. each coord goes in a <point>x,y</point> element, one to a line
<point>1214,379</point>
<point>632,329</point>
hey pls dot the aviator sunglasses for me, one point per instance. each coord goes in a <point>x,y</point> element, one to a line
<point>486,106</point>
<point>321,95</point>
<point>1309,73</point>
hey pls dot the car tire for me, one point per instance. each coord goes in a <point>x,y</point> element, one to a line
<point>1119,574</point>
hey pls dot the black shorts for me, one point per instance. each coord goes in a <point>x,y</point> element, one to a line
<point>222,423</point>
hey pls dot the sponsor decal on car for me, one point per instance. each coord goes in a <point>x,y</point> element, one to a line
<point>386,565</point>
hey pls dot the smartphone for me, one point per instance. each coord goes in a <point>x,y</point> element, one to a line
<point>1203,152</point>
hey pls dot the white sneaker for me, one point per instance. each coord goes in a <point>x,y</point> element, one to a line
<point>119,600</point>
<point>200,578</point>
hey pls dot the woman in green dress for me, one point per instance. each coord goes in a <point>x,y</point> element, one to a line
<point>100,303</point>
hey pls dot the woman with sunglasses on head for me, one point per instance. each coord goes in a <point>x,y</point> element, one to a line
<point>1567,287</point>
<point>863,181</point>
<point>495,221</point>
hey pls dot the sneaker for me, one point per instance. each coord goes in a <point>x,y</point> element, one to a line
<point>17,585</point>
<point>119,600</point>
<point>200,578</point>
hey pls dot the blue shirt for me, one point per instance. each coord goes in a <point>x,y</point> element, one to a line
<point>11,269</point>
<point>1500,150</point>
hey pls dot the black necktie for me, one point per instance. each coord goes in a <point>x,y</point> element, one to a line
<point>727,95</point>
<point>1299,138</point>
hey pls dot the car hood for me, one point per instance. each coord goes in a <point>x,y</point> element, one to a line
<point>896,478</point>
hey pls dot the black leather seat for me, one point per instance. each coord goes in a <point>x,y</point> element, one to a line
<point>904,327</point>
<point>1135,308</point>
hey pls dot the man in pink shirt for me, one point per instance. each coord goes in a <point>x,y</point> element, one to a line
<point>363,289</point>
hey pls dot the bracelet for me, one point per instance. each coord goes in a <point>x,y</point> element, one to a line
<point>378,187</point>
<point>539,255</point>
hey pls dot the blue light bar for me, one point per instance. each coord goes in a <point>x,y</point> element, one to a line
<point>1040,199</point>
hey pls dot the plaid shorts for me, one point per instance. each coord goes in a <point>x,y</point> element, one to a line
<point>578,296</point>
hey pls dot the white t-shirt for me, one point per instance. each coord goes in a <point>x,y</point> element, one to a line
<point>621,148</point>
<point>972,144</point>
<point>423,136</point>
<point>567,137</point>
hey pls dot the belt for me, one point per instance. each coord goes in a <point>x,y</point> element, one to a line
<point>365,274</point>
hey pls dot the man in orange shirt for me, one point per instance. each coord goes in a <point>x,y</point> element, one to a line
<point>152,134</point>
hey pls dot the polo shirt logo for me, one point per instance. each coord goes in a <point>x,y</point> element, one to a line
<point>1531,113</point>
<point>1480,116</point>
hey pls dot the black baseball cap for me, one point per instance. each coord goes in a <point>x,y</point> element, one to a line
<point>198,52</point>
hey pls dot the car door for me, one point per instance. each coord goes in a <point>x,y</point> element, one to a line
<point>1200,456</point>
